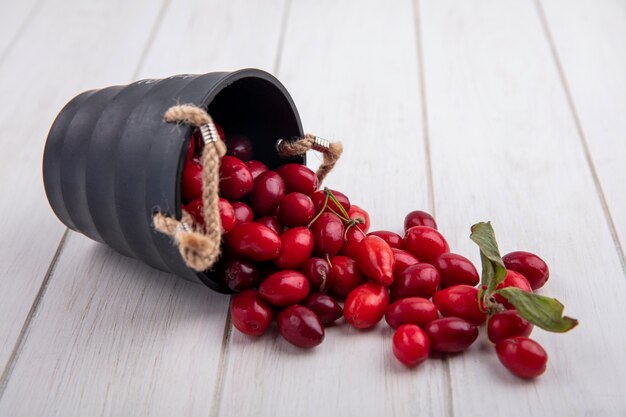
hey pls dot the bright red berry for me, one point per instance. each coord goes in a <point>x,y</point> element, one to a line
<point>425,243</point>
<point>319,197</point>
<point>324,306</point>
<point>298,178</point>
<point>412,310</point>
<point>393,239</point>
<point>351,243</point>
<point>419,218</point>
<point>451,334</point>
<point>284,288</point>
<point>300,326</point>
<point>410,345</point>
<point>253,241</point>
<point>460,301</point>
<point>455,270</point>
<point>507,324</point>
<point>227,215</point>
<point>403,260</point>
<point>365,305</point>
<point>256,168</point>
<point>267,192</point>
<point>250,314</point>
<point>295,248</point>
<point>235,178</point>
<point>419,280</point>
<point>328,234</point>
<point>361,216</point>
<point>522,356</point>
<point>513,279</point>
<point>317,271</point>
<point>243,212</point>
<point>344,275</point>
<point>192,181</point>
<point>534,269</point>
<point>376,260</point>
<point>296,209</point>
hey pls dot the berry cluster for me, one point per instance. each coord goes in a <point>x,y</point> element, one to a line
<point>297,253</point>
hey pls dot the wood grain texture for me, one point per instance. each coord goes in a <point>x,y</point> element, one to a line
<point>352,68</point>
<point>16,16</point>
<point>505,148</point>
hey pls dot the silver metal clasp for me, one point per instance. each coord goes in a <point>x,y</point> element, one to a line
<point>209,133</point>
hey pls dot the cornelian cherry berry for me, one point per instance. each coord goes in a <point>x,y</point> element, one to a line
<point>227,215</point>
<point>250,314</point>
<point>455,269</point>
<point>344,275</point>
<point>507,324</point>
<point>419,280</point>
<point>354,236</point>
<point>192,181</point>
<point>403,260</point>
<point>239,274</point>
<point>235,178</point>
<point>284,288</point>
<point>319,197</point>
<point>412,310</point>
<point>271,222</point>
<point>425,243</point>
<point>296,209</point>
<point>365,305</point>
<point>522,356</point>
<point>295,248</point>
<point>375,259</point>
<point>361,216</point>
<point>256,168</point>
<point>194,208</point>
<point>267,192</point>
<point>317,271</point>
<point>411,345</point>
<point>460,301</point>
<point>534,269</point>
<point>324,306</point>
<point>394,240</point>
<point>419,218</point>
<point>298,178</point>
<point>243,212</point>
<point>253,241</point>
<point>239,146</point>
<point>512,279</point>
<point>300,326</point>
<point>451,334</point>
<point>328,234</point>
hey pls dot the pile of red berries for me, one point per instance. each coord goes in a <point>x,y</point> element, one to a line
<point>296,253</point>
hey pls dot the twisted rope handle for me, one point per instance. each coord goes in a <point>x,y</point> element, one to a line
<point>330,150</point>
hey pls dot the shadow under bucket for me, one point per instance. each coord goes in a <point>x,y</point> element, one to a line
<point>111,161</point>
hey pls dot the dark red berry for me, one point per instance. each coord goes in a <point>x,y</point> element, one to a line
<point>284,288</point>
<point>319,197</point>
<point>272,222</point>
<point>507,324</point>
<point>365,305</point>
<point>267,192</point>
<point>419,280</point>
<point>393,239</point>
<point>419,218</point>
<point>239,274</point>
<point>192,181</point>
<point>344,275</point>
<point>243,212</point>
<point>317,271</point>
<point>460,301</point>
<point>361,216</point>
<point>250,314</point>
<point>235,178</point>
<point>425,243</point>
<point>300,327</point>
<point>324,306</point>
<point>256,168</point>
<point>227,215</point>
<point>534,269</point>
<point>522,356</point>
<point>351,243</point>
<point>455,270</point>
<point>450,334</point>
<point>410,345</point>
<point>296,247</point>
<point>193,143</point>
<point>298,178</point>
<point>296,209</point>
<point>328,234</point>
<point>253,241</point>
<point>412,310</point>
<point>194,208</point>
<point>403,260</point>
<point>513,279</point>
<point>376,260</point>
<point>239,146</point>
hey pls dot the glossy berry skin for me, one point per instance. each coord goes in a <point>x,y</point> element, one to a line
<point>194,208</point>
<point>351,243</point>
<point>365,305</point>
<point>410,345</point>
<point>460,301</point>
<point>419,218</point>
<point>319,197</point>
<point>295,248</point>
<point>267,192</point>
<point>451,334</point>
<point>227,215</point>
<point>403,260</point>
<point>507,324</point>
<point>243,212</point>
<point>239,274</point>
<point>376,260</point>
<point>284,288</point>
<point>239,146</point>
<point>298,178</point>
<point>296,209</point>
<point>455,269</point>
<point>360,215</point>
<point>394,240</point>
<point>412,310</point>
<point>324,306</point>
<point>256,168</point>
<point>317,271</point>
<point>344,275</point>
<point>192,181</point>
<point>534,269</point>
<point>522,356</point>
<point>300,327</point>
<point>253,241</point>
<point>271,222</point>
<point>250,314</point>
<point>235,178</point>
<point>419,280</point>
<point>513,279</point>
<point>425,243</point>
<point>328,234</point>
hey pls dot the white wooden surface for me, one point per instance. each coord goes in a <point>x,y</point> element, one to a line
<point>506,110</point>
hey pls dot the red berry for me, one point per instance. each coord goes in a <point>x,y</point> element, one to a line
<point>451,334</point>
<point>344,275</point>
<point>253,241</point>
<point>295,248</point>
<point>419,218</point>
<point>227,215</point>
<point>298,178</point>
<point>324,306</point>
<point>522,356</point>
<point>393,239</point>
<point>376,260</point>
<point>296,209</point>
<point>365,305</point>
<point>284,288</point>
<point>235,178</point>
<point>317,272</point>
<point>412,310</point>
<point>410,345</point>
<point>239,275</point>
<point>239,146</point>
<point>513,279</point>
<point>300,327</point>
<point>507,324</point>
<point>319,197</point>
<point>534,269</point>
<point>425,243</point>
<point>272,222</point>
<point>250,314</point>
<point>419,280</point>
<point>192,181</point>
<point>403,260</point>
<point>194,208</point>
<point>353,239</point>
<point>460,301</point>
<point>220,131</point>
<point>267,192</point>
<point>243,212</point>
<point>328,233</point>
<point>360,215</point>
<point>456,270</point>
<point>256,168</point>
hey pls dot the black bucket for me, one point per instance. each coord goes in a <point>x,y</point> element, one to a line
<point>111,162</point>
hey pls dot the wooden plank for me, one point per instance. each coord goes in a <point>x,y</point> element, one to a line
<point>15,18</point>
<point>592,62</point>
<point>505,148</point>
<point>352,68</point>
<point>112,336</point>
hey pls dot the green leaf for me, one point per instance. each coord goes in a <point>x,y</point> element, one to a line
<point>542,311</point>
<point>494,271</point>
